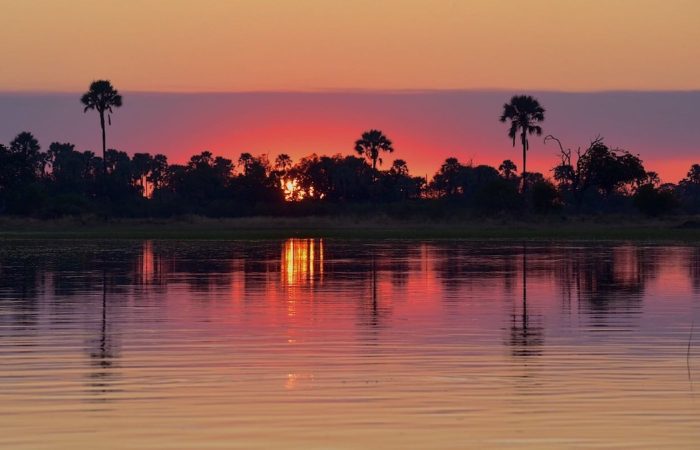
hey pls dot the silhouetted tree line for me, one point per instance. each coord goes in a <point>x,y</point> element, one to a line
<point>65,181</point>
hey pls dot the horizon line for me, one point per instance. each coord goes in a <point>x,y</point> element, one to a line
<point>361,91</point>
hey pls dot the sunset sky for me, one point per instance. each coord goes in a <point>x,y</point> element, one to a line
<point>357,48</point>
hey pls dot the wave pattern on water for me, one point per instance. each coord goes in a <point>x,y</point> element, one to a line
<point>347,344</point>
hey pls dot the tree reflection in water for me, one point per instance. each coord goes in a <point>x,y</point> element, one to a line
<point>526,334</point>
<point>594,287</point>
<point>103,375</point>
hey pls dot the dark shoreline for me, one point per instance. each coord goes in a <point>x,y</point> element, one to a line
<point>684,229</point>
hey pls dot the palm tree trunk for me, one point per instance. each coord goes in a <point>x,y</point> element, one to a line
<point>524,139</point>
<point>104,143</point>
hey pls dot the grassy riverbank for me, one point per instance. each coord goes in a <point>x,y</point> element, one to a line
<point>580,228</point>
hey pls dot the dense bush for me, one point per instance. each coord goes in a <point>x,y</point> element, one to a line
<point>653,201</point>
<point>64,181</point>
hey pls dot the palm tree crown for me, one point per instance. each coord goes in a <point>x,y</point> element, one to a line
<point>524,112</point>
<point>371,143</point>
<point>102,97</point>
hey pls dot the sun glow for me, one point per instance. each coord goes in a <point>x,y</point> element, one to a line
<point>293,192</point>
<point>291,189</point>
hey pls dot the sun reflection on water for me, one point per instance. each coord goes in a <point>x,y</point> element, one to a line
<point>336,335</point>
<point>147,263</point>
<point>298,380</point>
<point>302,262</point>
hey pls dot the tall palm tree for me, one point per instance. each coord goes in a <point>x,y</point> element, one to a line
<point>102,97</point>
<point>524,112</point>
<point>371,143</point>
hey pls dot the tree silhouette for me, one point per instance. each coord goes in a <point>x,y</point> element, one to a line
<point>283,163</point>
<point>72,172</point>
<point>508,169</point>
<point>371,143</point>
<point>399,167</point>
<point>397,184</point>
<point>65,181</point>
<point>141,164</point>
<point>31,162</point>
<point>524,112</point>
<point>693,175</point>
<point>102,97</point>
<point>158,172</point>
<point>689,190</point>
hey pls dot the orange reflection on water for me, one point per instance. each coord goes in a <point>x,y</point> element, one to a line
<point>147,264</point>
<point>298,380</point>
<point>558,345</point>
<point>302,262</point>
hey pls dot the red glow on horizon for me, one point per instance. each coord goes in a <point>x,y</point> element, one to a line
<point>424,159</point>
<point>424,131</point>
<point>426,128</point>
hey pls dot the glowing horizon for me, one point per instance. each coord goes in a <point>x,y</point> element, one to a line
<point>426,128</point>
<point>302,69</point>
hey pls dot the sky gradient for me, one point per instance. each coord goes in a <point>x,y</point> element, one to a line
<point>254,45</point>
<point>304,76</point>
<point>426,127</point>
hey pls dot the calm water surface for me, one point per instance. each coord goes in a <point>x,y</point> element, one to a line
<point>318,344</point>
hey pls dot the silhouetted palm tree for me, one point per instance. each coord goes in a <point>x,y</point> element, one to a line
<point>524,112</point>
<point>371,143</point>
<point>283,163</point>
<point>508,169</point>
<point>102,97</point>
<point>399,167</point>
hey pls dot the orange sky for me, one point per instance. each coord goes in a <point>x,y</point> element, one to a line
<point>252,45</point>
